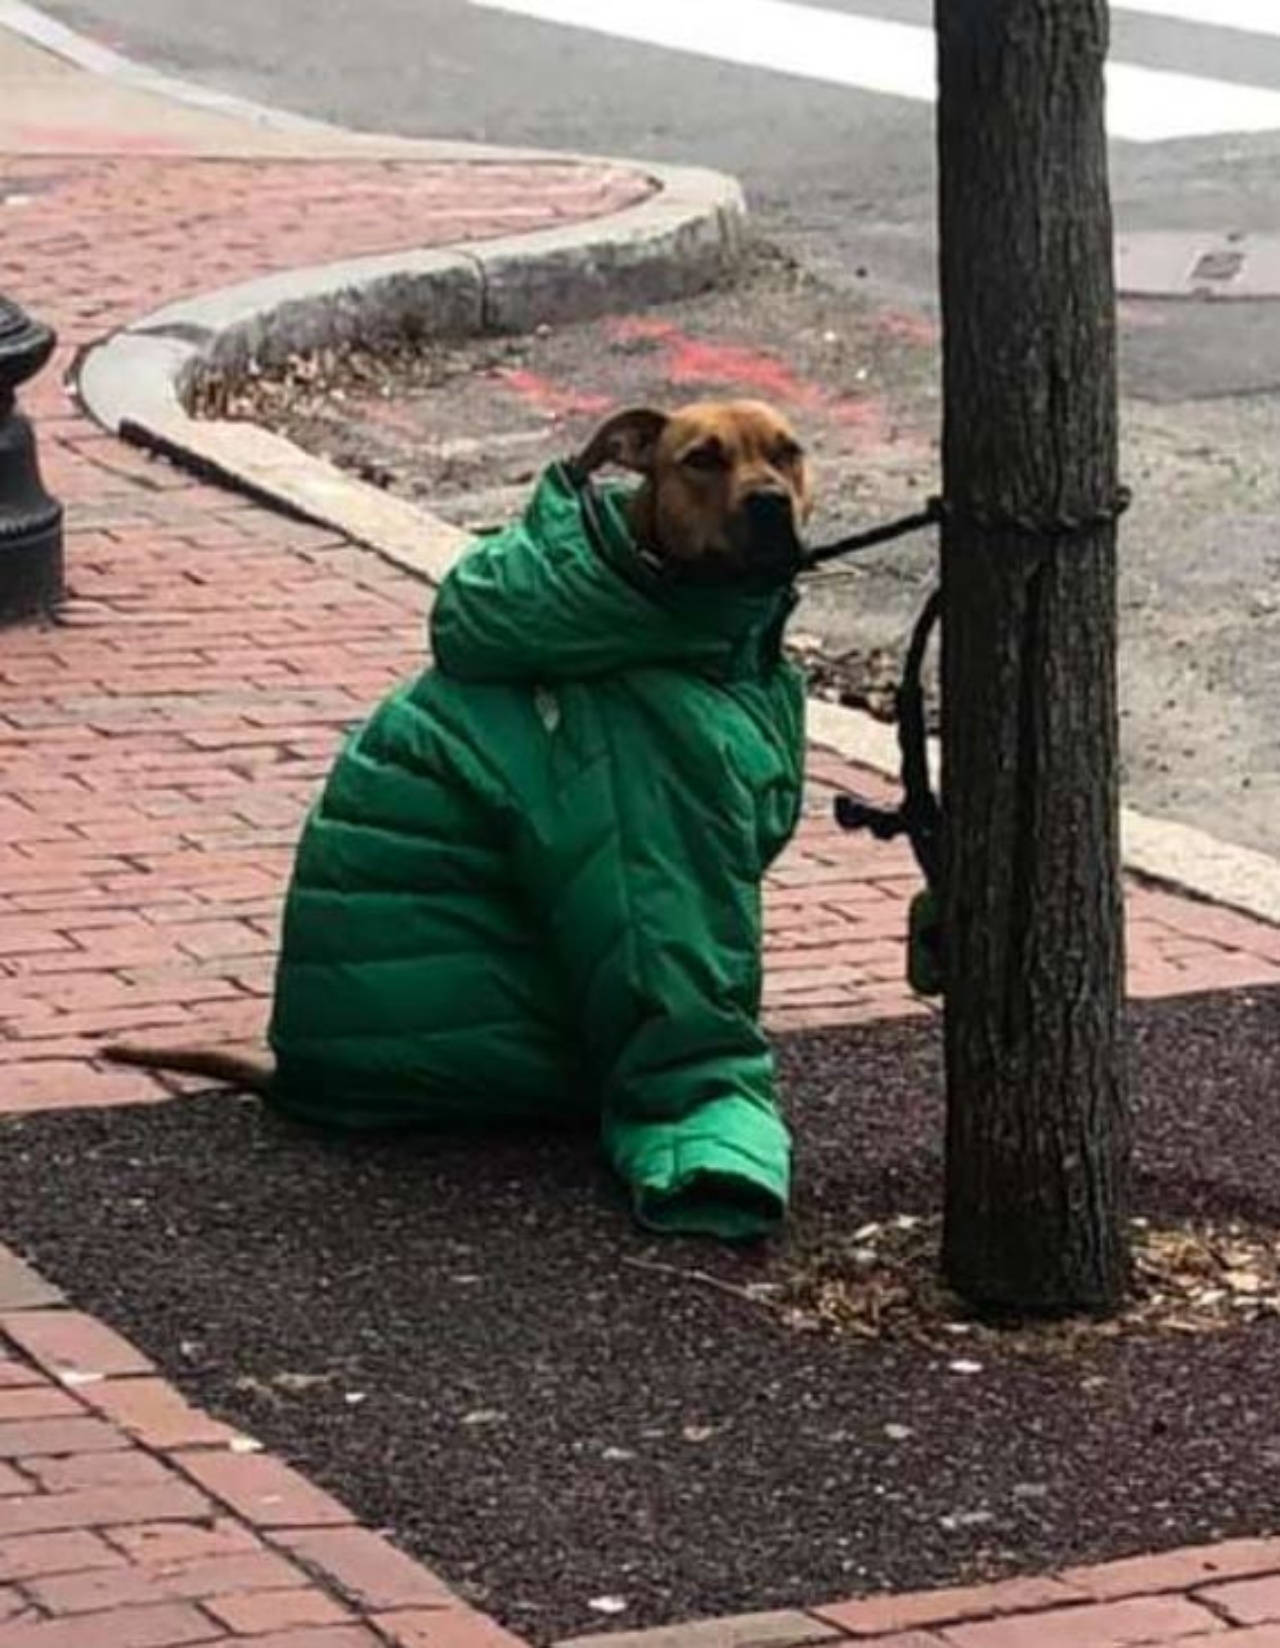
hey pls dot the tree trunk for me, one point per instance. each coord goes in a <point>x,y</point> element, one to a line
<point>1037,1124</point>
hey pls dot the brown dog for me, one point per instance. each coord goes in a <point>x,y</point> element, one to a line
<point>725,489</point>
<point>726,486</point>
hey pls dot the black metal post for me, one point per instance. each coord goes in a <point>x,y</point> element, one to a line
<point>30,520</point>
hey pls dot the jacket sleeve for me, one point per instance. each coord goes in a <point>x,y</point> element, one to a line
<point>649,891</point>
<point>516,610</point>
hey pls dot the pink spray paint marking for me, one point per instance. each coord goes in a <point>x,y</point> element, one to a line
<point>908,327</point>
<point>756,372</point>
<point>549,397</point>
<point>702,363</point>
<point>695,361</point>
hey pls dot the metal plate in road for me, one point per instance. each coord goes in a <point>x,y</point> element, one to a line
<point>1212,266</point>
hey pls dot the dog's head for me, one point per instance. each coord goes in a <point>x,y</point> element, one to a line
<point>725,486</point>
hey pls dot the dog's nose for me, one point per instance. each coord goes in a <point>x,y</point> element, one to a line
<point>768,542</point>
<point>768,511</point>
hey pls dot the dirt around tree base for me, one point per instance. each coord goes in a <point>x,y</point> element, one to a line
<point>468,1342</point>
<point>882,1282</point>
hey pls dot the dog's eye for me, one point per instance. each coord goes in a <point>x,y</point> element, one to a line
<point>707,457</point>
<point>787,452</point>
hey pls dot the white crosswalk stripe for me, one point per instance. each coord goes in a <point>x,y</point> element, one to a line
<point>1144,105</point>
<point>1245,16</point>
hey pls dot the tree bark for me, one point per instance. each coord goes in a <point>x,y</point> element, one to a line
<point>1037,1124</point>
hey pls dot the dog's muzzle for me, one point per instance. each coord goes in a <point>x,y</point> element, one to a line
<point>764,535</point>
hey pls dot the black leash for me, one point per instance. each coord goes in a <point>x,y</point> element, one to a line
<point>919,817</point>
<point>938,510</point>
<point>919,814</point>
<point>933,512</point>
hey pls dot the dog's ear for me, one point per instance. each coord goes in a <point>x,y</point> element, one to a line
<point>628,438</point>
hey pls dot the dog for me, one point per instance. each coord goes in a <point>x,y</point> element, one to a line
<point>725,486</point>
<point>682,584</point>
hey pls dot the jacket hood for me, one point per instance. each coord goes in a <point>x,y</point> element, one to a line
<point>565,593</point>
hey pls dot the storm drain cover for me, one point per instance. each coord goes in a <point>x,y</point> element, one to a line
<point>1198,265</point>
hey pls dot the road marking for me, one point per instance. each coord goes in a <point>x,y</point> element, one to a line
<point>1155,105</point>
<point>790,38</point>
<point>1249,16</point>
<point>870,54</point>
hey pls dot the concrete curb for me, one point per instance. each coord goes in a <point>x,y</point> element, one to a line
<point>61,41</point>
<point>686,236</point>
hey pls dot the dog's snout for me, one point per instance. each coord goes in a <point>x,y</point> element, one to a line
<point>768,509</point>
<point>767,537</point>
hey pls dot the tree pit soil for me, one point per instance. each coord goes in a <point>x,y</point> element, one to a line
<point>467,1341</point>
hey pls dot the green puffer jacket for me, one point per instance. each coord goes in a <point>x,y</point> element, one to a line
<point>531,887</point>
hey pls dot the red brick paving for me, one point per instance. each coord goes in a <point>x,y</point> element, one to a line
<point>1248,1602</point>
<point>368,1570</point>
<point>201,1539</point>
<point>883,1615</point>
<point>1101,1625</point>
<point>264,1491</point>
<point>72,1347</point>
<point>158,748</point>
<point>1183,1570</point>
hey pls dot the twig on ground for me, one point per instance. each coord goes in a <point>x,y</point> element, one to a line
<point>703,1278</point>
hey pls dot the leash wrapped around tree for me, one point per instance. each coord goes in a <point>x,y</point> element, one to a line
<point>919,815</point>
